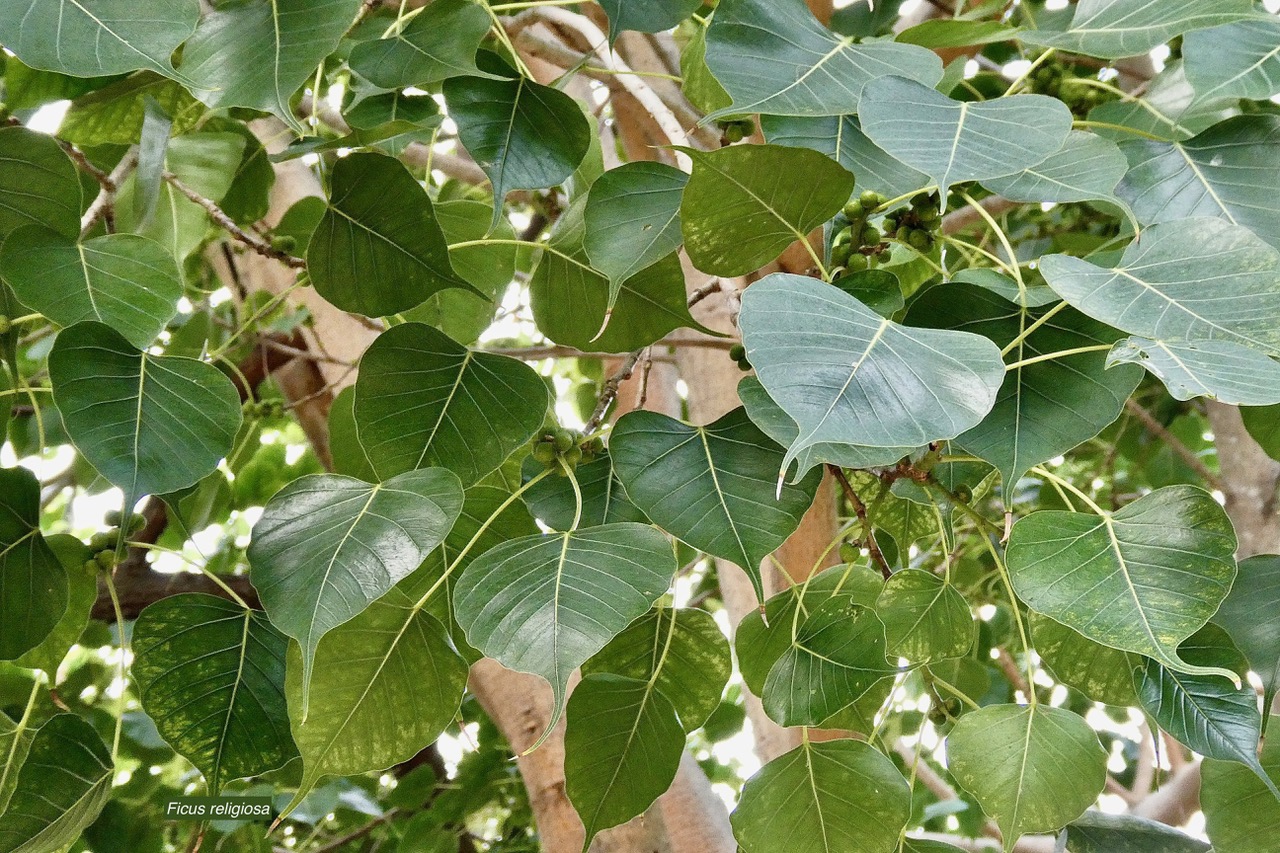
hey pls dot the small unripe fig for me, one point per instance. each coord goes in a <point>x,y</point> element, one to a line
<point>870,200</point>
<point>737,352</point>
<point>564,439</point>
<point>543,452</point>
<point>854,210</point>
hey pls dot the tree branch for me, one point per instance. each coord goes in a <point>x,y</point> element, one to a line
<point>1158,429</point>
<point>218,215</point>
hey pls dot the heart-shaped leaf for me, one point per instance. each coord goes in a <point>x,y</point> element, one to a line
<point>1086,168</point>
<point>1226,172</point>
<point>99,38</point>
<point>622,749</point>
<point>779,426</point>
<point>1240,60</point>
<point>681,650</point>
<point>841,138</point>
<point>1112,29</point>
<point>957,141</point>
<point>524,135</point>
<point>714,487</point>
<point>836,656</point>
<point>1158,289</point>
<point>649,16</point>
<point>1208,714</point>
<point>742,205</point>
<point>925,618</point>
<point>440,42</point>
<point>1141,579</point>
<point>554,502</point>
<point>847,375</point>
<point>632,220</point>
<point>773,57</point>
<point>61,787</point>
<point>30,159</point>
<point>826,797</point>
<point>545,604</point>
<point>34,589</point>
<point>424,400</point>
<point>386,684</point>
<point>1220,370</point>
<point>1031,768</point>
<point>1100,672</point>
<point>128,282</point>
<point>1239,809</point>
<point>1044,408</point>
<point>257,55</point>
<point>378,249</point>
<point>1245,614</point>
<point>150,424</point>
<point>328,546</point>
<point>83,585</point>
<point>211,676</point>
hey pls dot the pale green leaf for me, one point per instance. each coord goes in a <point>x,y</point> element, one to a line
<point>1100,672</point>
<point>1112,29</point>
<point>841,138</point>
<point>1086,168</point>
<point>632,219</point>
<point>925,618</point>
<point>1220,370</point>
<point>1240,60</point>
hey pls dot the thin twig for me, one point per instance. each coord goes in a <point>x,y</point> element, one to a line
<point>860,509</point>
<point>103,204</point>
<point>218,215</point>
<point>1187,455</point>
<point>610,392</point>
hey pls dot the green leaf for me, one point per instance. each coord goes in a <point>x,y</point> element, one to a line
<point>925,618</point>
<point>841,138</point>
<point>211,676</point>
<point>957,141</point>
<point>1112,29</point>
<point>327,546</point>
<point>713,486</point>
<point>779,426</point>
<point>622,749</point>
<point>1033,294</point>
<point>386,684</point>
<point>552,500</point>
<point>440,42</point>
<point>1246,615</point>
<point>1220,370</point>
<point>83,586</point>
<point>62,786</point>
<point>1241,814</point>
<point>15,743</point>
<point>925,845</point>
<point>348,455</point>
<point>847,375</point>
<point>1100,672</point>
<point>1086,168</point>
<point>34,590</point>
<point>1226,172</point>
<point>545,604</point>
<point>1169,109</point>
<point>955,32</point>
<point>524,135</point>
<point>424,400</point>
<point>773,57</point>
<point>835,657</point>
<point>759,644</point>
<point>681,650</point>
<point>378,249</point>
<point>743,206</point>
<point>1158,289</point>
<point>1263,425</point>
<point>114,114</point>
<point>646,16</point>
<point>1097,832</point>
<point>1240,60</point>
<point>150,424</point>
<point>29,159</point>
<point>1032,768</point>
<point>1207,713</point>
<point>1043,409</point>
<point>650,304</point>
<point>1141,579</point>
<point>257,55</point>
<point>128,282</point>
<point>826,797</point>
<point>632,220</point>
<point>99,38</point>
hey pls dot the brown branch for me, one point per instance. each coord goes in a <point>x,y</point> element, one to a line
<point>859,508</point>
<point>610,392</point>
<point>1158,429</point>
<point>218,215</point>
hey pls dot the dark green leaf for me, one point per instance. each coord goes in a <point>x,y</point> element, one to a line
<point>1097,832</point>
<point>1100,672</point>
<point>83,585</point>
<point>772,56</point>
<point>327,546</point>
<point>714,487</point>
<point>1141,579</point>
<point>211,675</point>
<point>646,16</point>
<point>827,797</point>
<point>1241,814</point>
<point>150,424</point>
<point>34,590</point>
<point>553,503</point>
<point>128,282</point>
<point>29,159</point>
<point>424,400</point>
<point>440,42</point>
<point>1246,614</point>
<point>743,205</point>
<point>378,249</point>
<point>633,219</point>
